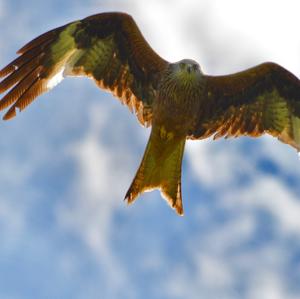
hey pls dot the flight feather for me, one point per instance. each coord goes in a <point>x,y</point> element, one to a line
<point>108,48</point>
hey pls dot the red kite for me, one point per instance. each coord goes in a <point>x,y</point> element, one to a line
<point>177,99</point>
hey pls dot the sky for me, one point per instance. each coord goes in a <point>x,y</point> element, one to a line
<point>68,160</point>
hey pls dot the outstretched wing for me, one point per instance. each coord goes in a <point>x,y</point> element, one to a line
<point>107,47</point>
<point>263,99</point>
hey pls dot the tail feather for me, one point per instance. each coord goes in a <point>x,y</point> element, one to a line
<point>160,169</point>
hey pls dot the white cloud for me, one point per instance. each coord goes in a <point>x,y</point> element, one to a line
<point>217,165</point>
<point>96,194</point>
<point>274,196</point>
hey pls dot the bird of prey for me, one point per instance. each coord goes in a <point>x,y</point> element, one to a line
<point>177,99</point>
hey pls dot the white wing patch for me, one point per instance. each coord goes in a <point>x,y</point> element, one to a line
<point>57,78</point>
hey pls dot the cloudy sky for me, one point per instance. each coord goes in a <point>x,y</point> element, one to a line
<point>67,162</point>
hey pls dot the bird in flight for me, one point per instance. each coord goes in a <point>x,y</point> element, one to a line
<point>178,100</point>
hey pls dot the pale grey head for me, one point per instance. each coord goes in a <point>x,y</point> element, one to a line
<point>186,72</point>
<point>188,66</point>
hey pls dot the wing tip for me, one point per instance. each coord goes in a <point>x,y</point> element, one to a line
<point>7,70</point>
<point>10,114</point>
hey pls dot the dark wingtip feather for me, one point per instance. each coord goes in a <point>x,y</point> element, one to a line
<point>25,78</point>
<point>10,114</point>
<point>20,73</point>
<point>30,50</point>
<point>38,41</point>
<point>7,70</point>
<point>36,88</point>
<point>19,92</point>
<point>23,59</point>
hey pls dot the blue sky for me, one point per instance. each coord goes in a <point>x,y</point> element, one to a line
<point>67,161</point>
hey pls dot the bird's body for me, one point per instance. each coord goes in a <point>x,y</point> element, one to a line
<point>177,99</point>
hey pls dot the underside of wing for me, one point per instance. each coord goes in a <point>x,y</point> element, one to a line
<point>108,48</point>
<point>28,75</point>
<point>264,99</point>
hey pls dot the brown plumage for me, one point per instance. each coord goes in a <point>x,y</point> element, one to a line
<point>177,99</point>
<point>263,99</point>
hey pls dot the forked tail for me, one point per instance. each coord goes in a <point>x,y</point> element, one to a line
<point>160,169</point>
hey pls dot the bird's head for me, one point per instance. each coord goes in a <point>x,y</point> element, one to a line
<point>186,72</point>
<point>187,68</point>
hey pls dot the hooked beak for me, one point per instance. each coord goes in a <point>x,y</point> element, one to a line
<point>189,69</point>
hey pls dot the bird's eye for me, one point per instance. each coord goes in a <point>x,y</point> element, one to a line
<point>195,67</point>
